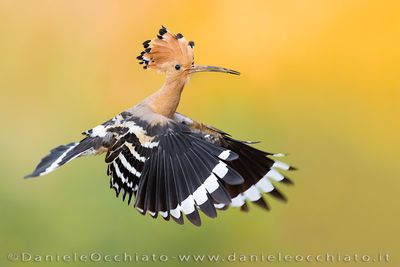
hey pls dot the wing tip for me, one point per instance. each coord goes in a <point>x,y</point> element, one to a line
<point>32,175</point>
<point>278,195</point>
<point>194,218</point>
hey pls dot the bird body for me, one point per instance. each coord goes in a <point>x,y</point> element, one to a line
<point>171,164</point>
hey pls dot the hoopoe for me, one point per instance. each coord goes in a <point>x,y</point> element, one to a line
<point>173,165</point>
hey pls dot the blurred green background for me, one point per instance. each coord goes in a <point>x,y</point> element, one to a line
<point>320,80</point>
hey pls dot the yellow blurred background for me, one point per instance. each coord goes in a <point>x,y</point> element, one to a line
<point>320,80</point>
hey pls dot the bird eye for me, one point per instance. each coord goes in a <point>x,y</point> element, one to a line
<point>177,67</point>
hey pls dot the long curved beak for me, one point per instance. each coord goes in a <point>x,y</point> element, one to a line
<point>204,68</point>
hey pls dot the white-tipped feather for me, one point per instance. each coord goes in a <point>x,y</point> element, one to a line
<point>252,193</point>
<point>200,195</point>
<point>238,201</point>
<point>220,169</point>
<point>280,165</point>
<point>265,185</point>
<point>224,154</point>
<point>163,213</point>
<point>139,209</point>
<point>176,212</point>
<point>187,205</point>
<point>211,183</point>
<point>275,175</point>
<point>219,205</point>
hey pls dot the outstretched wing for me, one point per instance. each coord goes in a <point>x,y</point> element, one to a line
<point>258,168</point>
<point>97,140</point>
<point>66,153</point>
<point>171,170</point>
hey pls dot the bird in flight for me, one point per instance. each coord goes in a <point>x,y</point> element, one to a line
<point>170,165</point>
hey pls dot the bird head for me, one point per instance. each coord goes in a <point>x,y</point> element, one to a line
<point>173,54</point>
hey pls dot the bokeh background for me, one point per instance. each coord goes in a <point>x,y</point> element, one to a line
<point>320,80</point>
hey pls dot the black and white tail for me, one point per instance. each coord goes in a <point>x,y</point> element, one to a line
<point>65,153</point>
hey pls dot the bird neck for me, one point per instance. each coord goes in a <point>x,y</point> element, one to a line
<point>166,100</point>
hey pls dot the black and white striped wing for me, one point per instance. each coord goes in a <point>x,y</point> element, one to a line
<point>97,140</point>
<point>171,171</point>
<point>260,170</point>
<point>127,157</point>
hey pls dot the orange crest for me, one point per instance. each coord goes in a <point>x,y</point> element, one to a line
<point>167,50</point>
